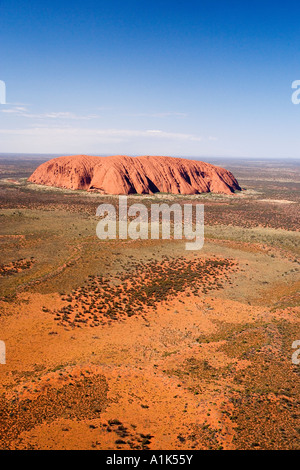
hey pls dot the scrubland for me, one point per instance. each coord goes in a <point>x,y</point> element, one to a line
<point>141,344</point>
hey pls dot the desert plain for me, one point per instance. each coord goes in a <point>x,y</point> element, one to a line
<point>141,344</point>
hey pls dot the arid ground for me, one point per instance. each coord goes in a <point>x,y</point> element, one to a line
<point>142,344</point>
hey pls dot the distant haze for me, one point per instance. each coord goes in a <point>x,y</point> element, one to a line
<point>193,78</point>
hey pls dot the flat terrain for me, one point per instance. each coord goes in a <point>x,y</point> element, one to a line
<point>142,344</point>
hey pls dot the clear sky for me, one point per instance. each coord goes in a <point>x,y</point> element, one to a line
<point>183,78</point>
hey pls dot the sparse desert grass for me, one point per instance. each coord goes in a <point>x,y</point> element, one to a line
<point>15,266</point>
<point>186,351</point>
<point>99,301</point>
<point>77,397</point>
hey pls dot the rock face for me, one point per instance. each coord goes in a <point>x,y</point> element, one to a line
<point>129,175</point>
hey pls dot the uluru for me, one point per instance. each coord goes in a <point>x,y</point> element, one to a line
<point>121,174</point>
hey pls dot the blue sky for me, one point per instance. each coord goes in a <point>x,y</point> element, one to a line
<point>182,78</point>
